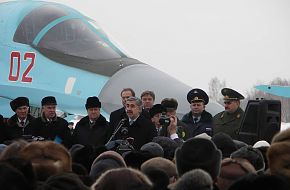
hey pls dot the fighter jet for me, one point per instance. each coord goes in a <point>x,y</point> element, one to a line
<point>49,49</point>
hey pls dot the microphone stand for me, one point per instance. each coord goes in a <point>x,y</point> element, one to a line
<point>120,124</point>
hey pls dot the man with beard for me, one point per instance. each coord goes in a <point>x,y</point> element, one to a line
<point>17,124</point>
<point>229,121</point>
<point>119,114</point>
<point>136,126</point>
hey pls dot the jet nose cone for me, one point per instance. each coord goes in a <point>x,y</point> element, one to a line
<point>141,77</point>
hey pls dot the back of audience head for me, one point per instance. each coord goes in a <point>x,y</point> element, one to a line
<point>12,150</point>
<point>159,179</point>
<point>106,161</point>
<point>82,172</point>
<point>265,182</point>
<point>123,179</point>
<point>163,164</point>
<point>278,154</point>
<point>263,147</point>
<point>198,153</point>
<point>85,155</point>
<point>232,170</point>
<point>12,179</point>
<point>254,156</point>
<point>169,146</point>
<point>135,159</point>
<point>225,143</point>
<point>25,167</point>
<point>47,158</point>
<point>63,181</point>
<point>196,179</point>
<point>154,148</point>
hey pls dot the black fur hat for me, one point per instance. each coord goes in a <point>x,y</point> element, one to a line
<point>18,102</point>
<point>225,143</point>
<point>93,102</point>
<point>198,153</point>
<point>48,100</point>
<point>157,108</point>
<point>254,156</point>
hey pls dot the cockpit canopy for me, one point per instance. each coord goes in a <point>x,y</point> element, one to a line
<point>68,34</point>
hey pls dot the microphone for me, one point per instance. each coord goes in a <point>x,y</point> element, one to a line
<point>120,124</point>
<point>124,119</point>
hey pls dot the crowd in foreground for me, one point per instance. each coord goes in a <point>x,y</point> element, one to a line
<point>144,146</point>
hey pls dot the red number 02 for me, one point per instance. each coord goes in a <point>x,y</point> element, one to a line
<point>16,56</point>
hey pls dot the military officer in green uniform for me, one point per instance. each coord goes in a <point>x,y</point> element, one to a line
<point>229,121</point>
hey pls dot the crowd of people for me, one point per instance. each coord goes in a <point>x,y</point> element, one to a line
<point>143,146</point>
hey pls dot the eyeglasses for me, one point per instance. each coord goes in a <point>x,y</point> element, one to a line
<point>228,102</point>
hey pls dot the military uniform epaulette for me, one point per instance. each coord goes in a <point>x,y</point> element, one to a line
<point>237,116</point>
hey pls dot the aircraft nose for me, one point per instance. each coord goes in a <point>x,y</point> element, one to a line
<point>141,77</point>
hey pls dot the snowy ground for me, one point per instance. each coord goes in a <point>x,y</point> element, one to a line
<point>285,126</point>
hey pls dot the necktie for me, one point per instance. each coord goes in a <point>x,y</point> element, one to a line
<point>158,131</point>
<point>195,120</point>
<point>22,123</point>
<point>92,123</point>
<point>131,122</point>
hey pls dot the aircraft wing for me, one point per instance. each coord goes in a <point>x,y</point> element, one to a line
<point>283,91</point>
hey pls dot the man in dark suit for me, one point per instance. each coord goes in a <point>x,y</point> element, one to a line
<point>3,135</point>
<point>136,126</point>
<point>92,130</point>
<point>49,125</point>
<point>119,114</point>
<point>16,125</point>
<point>148,99</point>
<point>170,105</point>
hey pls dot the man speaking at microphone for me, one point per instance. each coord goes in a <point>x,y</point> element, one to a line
<point>139,128</point>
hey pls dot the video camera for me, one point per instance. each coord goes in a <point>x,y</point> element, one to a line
<point>164,120</point>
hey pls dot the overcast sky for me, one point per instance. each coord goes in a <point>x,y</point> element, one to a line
<point>242,42</point>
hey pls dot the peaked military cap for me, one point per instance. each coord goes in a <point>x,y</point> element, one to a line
<point>48,100</point>
<point>18,102</point>
<point>93,102</point>
<point>230,94</point>
<point>157,108</point>
<point>197,95</point>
